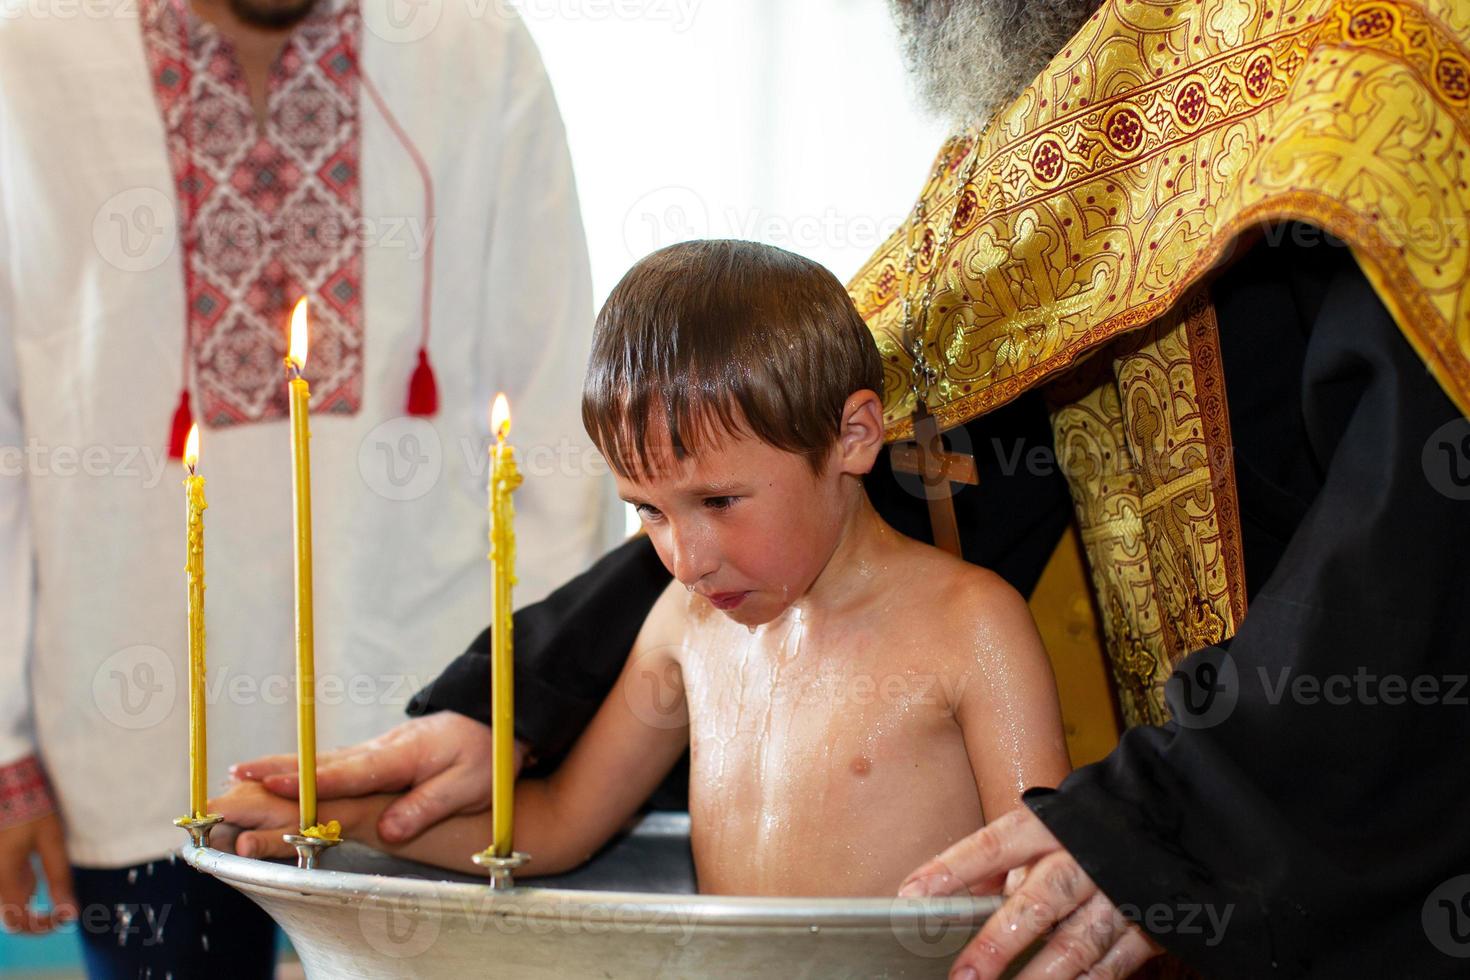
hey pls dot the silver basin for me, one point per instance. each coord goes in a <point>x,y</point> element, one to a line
<point>630,912</point>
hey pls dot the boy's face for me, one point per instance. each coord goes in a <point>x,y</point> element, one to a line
<point>746,525</point>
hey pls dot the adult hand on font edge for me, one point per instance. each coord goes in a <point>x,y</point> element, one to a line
<point>1091,937</point>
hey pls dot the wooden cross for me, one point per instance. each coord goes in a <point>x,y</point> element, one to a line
<point>936,468</point>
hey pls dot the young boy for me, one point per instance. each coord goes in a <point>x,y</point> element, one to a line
<point>854,701</point>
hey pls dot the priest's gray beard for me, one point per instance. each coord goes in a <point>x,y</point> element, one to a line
<point>970,58</point>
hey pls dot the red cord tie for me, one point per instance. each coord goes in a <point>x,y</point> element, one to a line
<point>423,390</point>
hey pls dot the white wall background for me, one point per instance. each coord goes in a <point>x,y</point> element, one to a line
<point>789,122</point>
<point>784,121</point>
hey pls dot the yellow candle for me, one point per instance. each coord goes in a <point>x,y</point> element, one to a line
<point>194,568</point>
<point>300,395</point>
<point>504,478</point>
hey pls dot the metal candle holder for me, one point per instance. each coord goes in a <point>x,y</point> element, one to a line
<point>502,869</point>
<point>199,827</point>
<point>308,849</point>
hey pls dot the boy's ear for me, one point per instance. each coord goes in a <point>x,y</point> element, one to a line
<point>860,438</point>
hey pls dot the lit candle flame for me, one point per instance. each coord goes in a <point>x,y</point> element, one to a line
<point>500,418</point>
<point>191,448</point>
<point>297,353</point>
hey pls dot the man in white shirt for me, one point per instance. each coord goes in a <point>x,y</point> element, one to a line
<point>173,175</point>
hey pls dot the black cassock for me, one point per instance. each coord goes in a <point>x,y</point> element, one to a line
<point>1307,811</point>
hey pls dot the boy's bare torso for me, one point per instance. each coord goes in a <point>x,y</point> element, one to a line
<point>827,758</point>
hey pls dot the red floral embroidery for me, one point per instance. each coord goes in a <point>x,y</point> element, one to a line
<point>266,216</point>
<point>24,795</point>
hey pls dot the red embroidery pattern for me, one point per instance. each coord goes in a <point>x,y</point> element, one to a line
<point>266,216</point>
<point>1124,130</point>
<point>24,795</point>
<point>1048,161</point>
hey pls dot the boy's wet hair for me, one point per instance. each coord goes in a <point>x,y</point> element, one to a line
<point>724,337</point>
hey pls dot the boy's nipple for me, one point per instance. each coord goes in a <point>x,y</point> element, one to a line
<point>861,765</point>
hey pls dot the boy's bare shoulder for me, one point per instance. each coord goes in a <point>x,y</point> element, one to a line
<point>970,603</point>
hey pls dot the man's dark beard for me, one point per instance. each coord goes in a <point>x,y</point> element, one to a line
<point>272,15</point>
<point>970,58</point>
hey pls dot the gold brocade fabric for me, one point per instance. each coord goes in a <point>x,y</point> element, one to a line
<point>1164,130</point>
<point>1103,198</point>
<point>1143,435</point>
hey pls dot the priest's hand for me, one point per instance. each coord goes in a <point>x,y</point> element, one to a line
<point>42,837</point>
<point>1091,937</point>
<point>440,762</point>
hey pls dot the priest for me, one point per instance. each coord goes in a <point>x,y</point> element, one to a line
<point>1214,257</point>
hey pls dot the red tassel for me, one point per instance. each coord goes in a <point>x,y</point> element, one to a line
<point>183,421</point>
<point>423,390</point>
